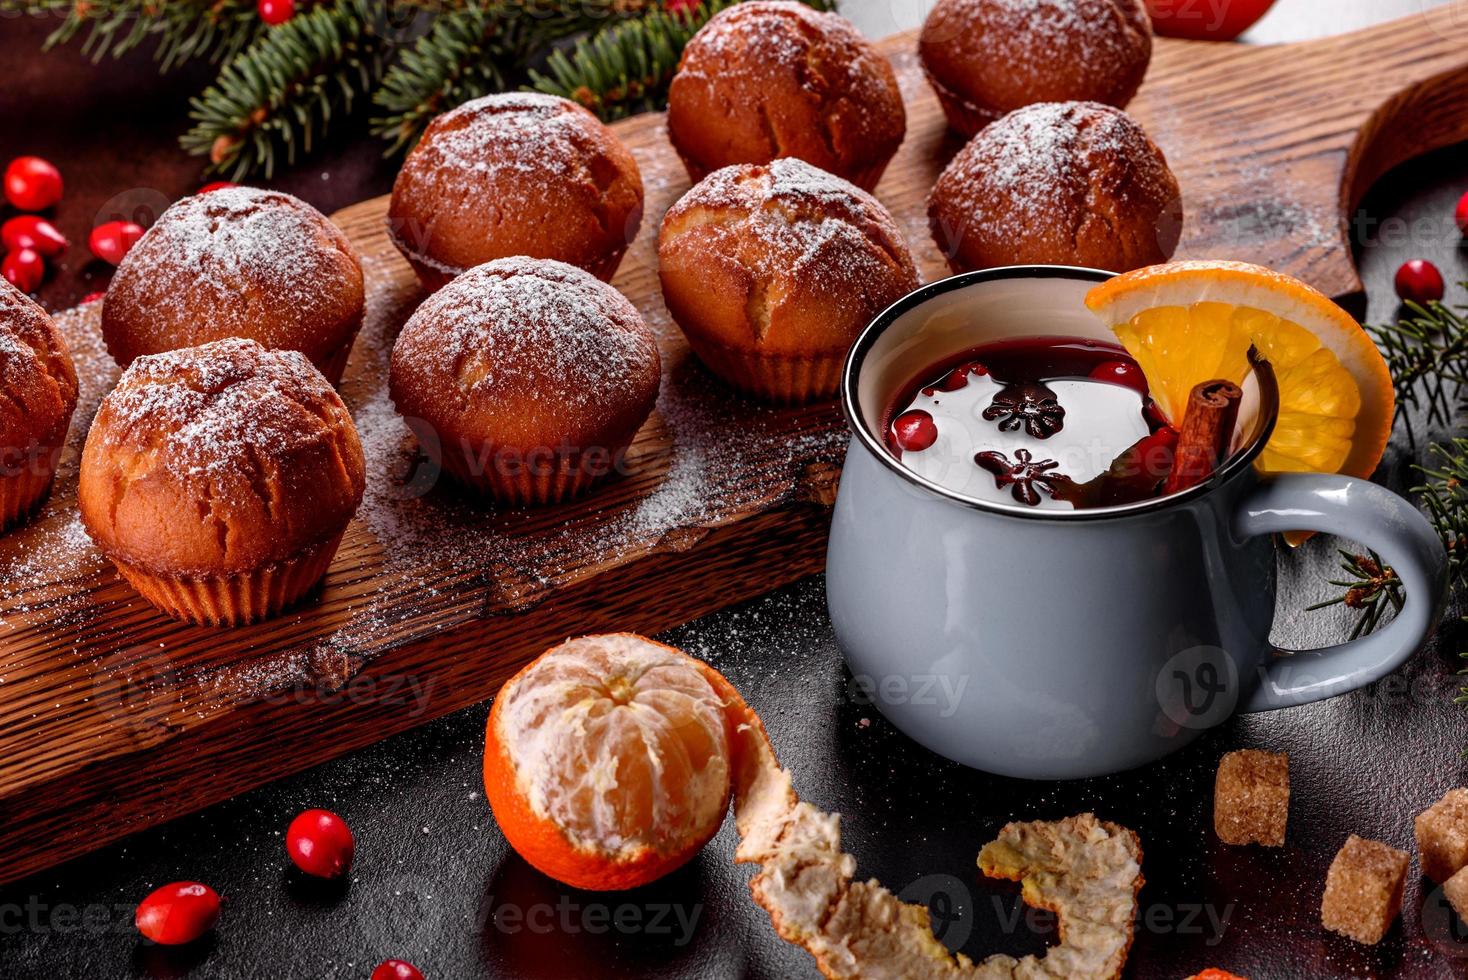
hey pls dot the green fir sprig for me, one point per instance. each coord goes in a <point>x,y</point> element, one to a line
<point>478,49</point>
<point>281,93</point>
<point>280,89</point>
<point>1427,354</point>
<point>182,29</point>
<point>1372,588</point>
<point>626,69</point>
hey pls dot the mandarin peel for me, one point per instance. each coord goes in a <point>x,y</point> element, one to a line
<point>1086,871</point>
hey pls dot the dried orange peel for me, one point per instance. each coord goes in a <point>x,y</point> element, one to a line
<point>1085,870</point>
<point>558,778</point>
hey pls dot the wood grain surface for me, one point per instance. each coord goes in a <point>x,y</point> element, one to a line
<point>113,718</point>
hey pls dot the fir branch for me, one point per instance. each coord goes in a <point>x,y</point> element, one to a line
<point>479,48</point>
<point>183,29</point>
<point>626,69</point>
<point>1427,354</point>
<point>287,88</point>
<point>1372,588</point>
<point>1445,495</point>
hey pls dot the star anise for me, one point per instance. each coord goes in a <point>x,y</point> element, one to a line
<point>1029,404</point>
<point>1023,474</point>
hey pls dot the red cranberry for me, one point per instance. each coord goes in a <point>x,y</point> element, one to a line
<point>1121,373</point>
<point>958,377</point>
<point>30,231</point>
<point>396,970</point>
<point>1154,453</point>
<point>92,297</point>
<point>1418,281</point>
<point>320,843</point>
<point>1462,214</point>
<point>915,430</point>
<point>24,269</point>
<point>32,184</point>
<point>217,185</point>
<point>110,241</point>
<point>276,12</point>
<point>178,913</point>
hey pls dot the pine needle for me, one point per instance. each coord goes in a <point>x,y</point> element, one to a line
<point>1427,354</point>
<point>183,29</point>
<point>474,50</point>
<point>285,90</point>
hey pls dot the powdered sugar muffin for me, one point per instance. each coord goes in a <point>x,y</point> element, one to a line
<point>772,78</point>
<point>518,173</point>
<point>219,479</point>
<point>38,392</point>
<point>526,379</point>
<point>985,58</point>
<point>772,271</point>
<point>238,262</point>
<point>1068,183</point>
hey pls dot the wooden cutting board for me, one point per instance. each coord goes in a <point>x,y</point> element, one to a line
<point>113,718</point>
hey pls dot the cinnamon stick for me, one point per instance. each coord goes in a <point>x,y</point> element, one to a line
<point>1207,430</point>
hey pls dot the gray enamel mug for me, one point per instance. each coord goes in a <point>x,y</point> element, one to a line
<point>1061,644</point>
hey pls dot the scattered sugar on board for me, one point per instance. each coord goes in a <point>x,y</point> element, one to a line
<point>717,440</point>
<point>43,573</point>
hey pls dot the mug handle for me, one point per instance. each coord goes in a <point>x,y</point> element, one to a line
<point>1359,510</point>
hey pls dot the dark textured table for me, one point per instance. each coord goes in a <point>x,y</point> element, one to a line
<point>435,882</point>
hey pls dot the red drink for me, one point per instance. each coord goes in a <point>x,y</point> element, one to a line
<point>1047,422</point>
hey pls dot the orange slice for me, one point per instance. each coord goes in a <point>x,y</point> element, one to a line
<point>1187,322</point>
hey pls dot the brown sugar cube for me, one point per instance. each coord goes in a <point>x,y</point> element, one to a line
<point>1363,890</point>
<point>1455,889</point>
<point>1251,798</point>
<point>1442,835</point>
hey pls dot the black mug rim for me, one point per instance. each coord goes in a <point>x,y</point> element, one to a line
<point>865,434</point>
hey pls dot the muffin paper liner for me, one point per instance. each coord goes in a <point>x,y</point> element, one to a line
<point>571,477</point>
<point>962,114</point>
<point>784,380</point>
<point>233,600</point>
<point>21,492</point>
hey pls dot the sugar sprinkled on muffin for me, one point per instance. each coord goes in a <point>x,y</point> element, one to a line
<point>985,58</point>
<point>773,78</point>
<point>1066,183</point>
<point>517,173</point>
<point>219,479</point>
<point>38,394</point>
<point>238,262</point>
<point>772,270</point>
<point>526,378</point>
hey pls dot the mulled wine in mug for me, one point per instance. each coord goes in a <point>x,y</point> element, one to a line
<point>1017,521</point>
